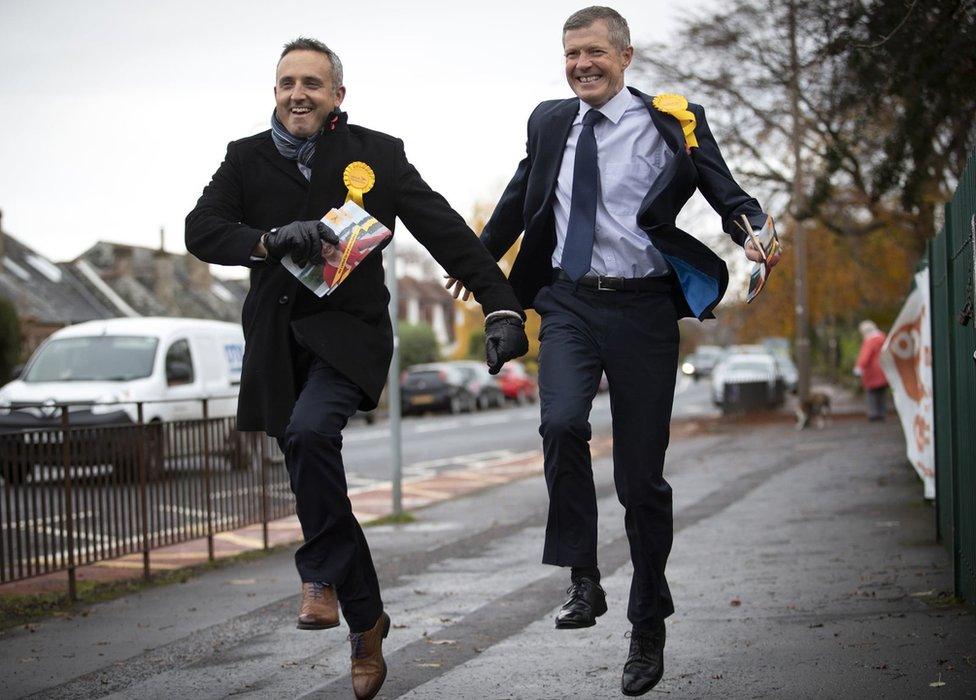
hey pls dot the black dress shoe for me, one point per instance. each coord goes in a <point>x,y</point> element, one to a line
<point>587,601</point>
<point>645,662</point>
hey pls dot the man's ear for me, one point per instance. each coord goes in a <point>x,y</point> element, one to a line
<point>340,95</point>
<point>628,55</point>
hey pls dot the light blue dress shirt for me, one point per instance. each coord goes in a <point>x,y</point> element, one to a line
<point>630,156</point>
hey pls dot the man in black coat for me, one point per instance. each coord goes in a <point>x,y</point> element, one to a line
<point>309,362</point>
<point>597,194</point>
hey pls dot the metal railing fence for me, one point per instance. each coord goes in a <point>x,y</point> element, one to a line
<point>74,495</point>
<point>952,275</point>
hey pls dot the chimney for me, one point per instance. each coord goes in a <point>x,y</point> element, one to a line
<point>123,261</point>
<point>164,274</point>
<point>199,273</point>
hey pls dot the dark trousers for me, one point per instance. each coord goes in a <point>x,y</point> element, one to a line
<point>877,403</point>
<point>633,337</point>
<point>335,550</point>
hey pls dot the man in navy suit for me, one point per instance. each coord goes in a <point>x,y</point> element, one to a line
<point>604,176</point>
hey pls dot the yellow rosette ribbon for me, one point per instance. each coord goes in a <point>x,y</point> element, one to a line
<point>677,107</point>
<point>358,179</point>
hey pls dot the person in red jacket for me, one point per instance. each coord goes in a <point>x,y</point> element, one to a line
<point>868,368</point>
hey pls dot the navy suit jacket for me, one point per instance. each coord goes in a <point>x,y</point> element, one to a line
<point>526,206</point>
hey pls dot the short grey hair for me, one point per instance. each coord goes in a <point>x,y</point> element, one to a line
<point>304,43</point>
<point>617,25</point>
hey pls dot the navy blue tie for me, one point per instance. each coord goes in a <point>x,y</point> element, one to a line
<point>578,248</point>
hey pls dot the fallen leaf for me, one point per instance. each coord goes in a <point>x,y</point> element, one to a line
<point>28,659</point>
<point>936,684</point>
<point>441,642</point>
<point>242,581</point>
<point>288,664</point>
<point>430,664</point>
<point>735,602</point>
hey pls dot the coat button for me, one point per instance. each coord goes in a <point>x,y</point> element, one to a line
<point>283,299</point>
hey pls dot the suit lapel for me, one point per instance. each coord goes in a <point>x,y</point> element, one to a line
<point>670,130</point>
<point>667,126</point>
<point>333,152</point>
<point>270,153</point>
<point>554,131</point>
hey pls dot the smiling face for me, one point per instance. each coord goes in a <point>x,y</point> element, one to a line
<point>594,67</point>
<point>304,94</point>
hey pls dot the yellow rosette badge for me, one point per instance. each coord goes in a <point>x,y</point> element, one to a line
<point>358,179</point>
<point>677,107</point>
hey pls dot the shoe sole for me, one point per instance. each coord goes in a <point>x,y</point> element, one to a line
<point>570,625</point>
<point>313,626</point>
<point>644,692</point>
<point>386,631</point>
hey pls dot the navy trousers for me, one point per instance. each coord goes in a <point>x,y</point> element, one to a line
<point>633,337</point>
<point>335,550</point>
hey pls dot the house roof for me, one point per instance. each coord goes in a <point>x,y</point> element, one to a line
<point>133,272</point>
<point>44,291</point>
<point>428,291</point>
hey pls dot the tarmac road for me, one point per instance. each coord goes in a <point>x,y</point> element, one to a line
<point>437,442</point>
<point>803,566</point>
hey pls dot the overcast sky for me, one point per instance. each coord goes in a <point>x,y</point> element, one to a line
<point>114,114</point>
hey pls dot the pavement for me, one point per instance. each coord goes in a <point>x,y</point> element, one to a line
<point>803,566</point>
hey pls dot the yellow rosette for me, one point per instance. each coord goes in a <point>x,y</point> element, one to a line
<point>358,179</point>
<point>677,107</point>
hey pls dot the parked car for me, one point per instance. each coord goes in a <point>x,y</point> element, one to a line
<point>702,361</point>
<point>435,386</point>
<point>105,368</point>
<point>747,380</point>
<point>791,375</point>
<point>485,386</point>
<point>517,384</point>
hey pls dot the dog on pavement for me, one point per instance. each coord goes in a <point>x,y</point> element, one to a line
<point>814,411</point>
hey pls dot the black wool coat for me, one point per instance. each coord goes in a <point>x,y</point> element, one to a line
<point>526,205</point>
<point>256,189</point>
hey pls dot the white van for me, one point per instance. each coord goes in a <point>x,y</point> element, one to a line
<point>103,367</point>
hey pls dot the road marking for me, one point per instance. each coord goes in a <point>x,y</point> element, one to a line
<point>474,457</point>
<point>434,427</point>
<point>491,420</point>
<point>414,490</point>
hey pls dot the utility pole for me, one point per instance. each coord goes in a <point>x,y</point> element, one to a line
<point>393,385</point>
<point>799,235</point>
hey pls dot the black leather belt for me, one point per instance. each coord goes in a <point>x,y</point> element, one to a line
<point>661,283</point>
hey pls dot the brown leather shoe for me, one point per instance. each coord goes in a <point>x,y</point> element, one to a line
<point>320,609</point>
<point>368,666</point>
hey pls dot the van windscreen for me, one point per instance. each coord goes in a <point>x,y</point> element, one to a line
<point>103,358</point>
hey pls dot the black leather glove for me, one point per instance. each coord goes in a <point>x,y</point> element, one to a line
<point>300,239</point>
<point>504,340</point>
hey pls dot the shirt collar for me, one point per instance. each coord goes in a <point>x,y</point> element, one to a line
<point>612,110</point>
